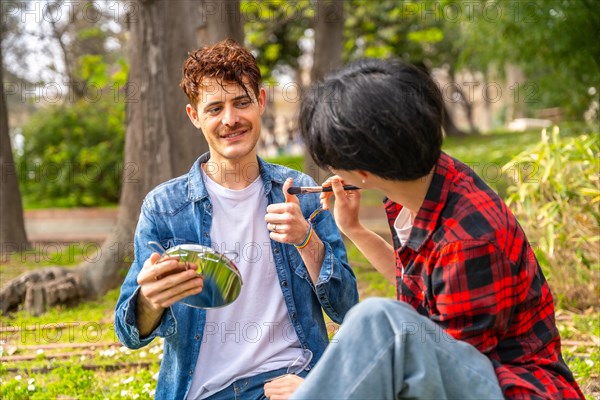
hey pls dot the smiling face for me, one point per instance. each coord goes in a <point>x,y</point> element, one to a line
<point>230,119</point>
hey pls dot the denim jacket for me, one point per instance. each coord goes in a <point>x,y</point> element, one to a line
<point>180,211</point>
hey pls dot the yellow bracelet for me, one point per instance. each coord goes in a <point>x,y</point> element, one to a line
<point>310,229</point>
<point>307,238</point>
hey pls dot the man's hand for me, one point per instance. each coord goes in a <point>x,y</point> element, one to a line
<point>285,220</point>
<point>282,387</point>
<point>162,283</point>
<point>346,207</point>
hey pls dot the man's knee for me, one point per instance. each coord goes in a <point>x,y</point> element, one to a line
<point>377,307</point>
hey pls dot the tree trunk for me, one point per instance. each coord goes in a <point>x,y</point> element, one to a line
<point>12,226</point>
<point>161,143</point>
<point>448,125</point>
<point>220,20</point>
<point>329,42</point>
<point>465,102</point>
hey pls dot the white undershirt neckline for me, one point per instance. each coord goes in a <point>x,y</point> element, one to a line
<point>403,225</point>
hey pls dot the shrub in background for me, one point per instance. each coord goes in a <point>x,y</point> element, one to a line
<point>73,154</point>
<point>556,196</point>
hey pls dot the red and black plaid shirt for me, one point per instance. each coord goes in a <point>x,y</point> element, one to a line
<point>468,266</point>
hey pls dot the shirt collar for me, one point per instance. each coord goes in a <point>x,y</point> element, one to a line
<point>435,201</point>
<point>269,173</point>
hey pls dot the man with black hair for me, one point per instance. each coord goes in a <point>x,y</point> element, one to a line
<point>474,317</point>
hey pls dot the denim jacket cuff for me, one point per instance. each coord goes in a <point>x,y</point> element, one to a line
<point>327,266</point>
<point>166,328</point>
<point>322,287</point>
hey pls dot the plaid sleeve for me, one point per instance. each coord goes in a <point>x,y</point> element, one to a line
<point>476,291</point>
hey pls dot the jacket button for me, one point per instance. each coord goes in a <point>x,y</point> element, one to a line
<point>276,251</point>
<point>294,315</point>
<point>197,337</point>
<point>284,283</point>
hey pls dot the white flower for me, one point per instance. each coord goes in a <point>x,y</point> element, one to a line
<point>128,380</point>
<point>107,353</point>
<point>160,356</point>
<point>18,378</point>
<point>155,376</point>
<point>39,351</point>
<point>152,393</point>
<point>124,393</point>
<point>30,381</point>
<point>135,396</point>
<point>143,354</point>
<point>31,388</point>
<point>590,363</point>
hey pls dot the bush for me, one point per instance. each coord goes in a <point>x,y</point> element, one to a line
<point>555,196</point>
<point>73,154</point>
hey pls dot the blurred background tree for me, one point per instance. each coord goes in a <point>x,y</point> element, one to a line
<point>13,236</point>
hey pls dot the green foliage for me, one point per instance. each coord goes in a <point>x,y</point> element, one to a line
<point>73,153</point>
<point>487,154</point>
<point>290,161</point>
<point>274,30</point>
<point>93,70</point>
<point>72,380</point>
<point>555,196</point>
<point>416,31</point>
<point>551,40</point>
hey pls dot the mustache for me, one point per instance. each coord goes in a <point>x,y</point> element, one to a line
<point>228,130</point>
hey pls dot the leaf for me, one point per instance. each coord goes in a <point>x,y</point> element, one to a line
<point>431,35</point>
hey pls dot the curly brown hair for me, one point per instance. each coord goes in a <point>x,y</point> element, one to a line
<point>226,61</point>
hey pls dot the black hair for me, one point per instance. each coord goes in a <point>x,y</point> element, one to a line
<point>380,116</point>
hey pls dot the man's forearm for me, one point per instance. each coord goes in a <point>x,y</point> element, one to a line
<point>313,255</point>
<point>379,252</point>
<point>147,317</point>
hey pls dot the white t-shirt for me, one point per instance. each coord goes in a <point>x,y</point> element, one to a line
<point>403,225</point>
<point>254,334</point>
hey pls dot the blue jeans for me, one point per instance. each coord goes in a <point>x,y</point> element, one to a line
<point>386,350</point>
<point>251,388</point>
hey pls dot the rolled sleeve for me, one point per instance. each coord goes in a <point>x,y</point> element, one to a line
<point>336,285</point>
<point>129,333</point>
<point>125,312</point>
